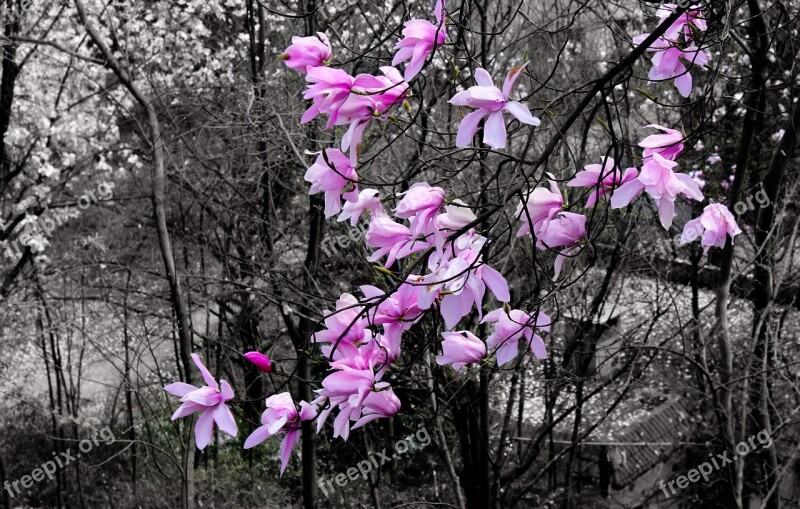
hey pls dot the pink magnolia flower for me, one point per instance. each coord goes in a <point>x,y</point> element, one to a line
<point>456,216</point>
<point>669,145</point>
<point>259,360</point>
<point>512,326</point>
<point>346,99</point>
<point>280,415</point>
<point>420,39</point>
<point>328,89</point>
<point>401,306</point>
<point>396,313</point>
<point>669,62</point>
<point>359,395</point>
<point>384,91</point>
<point>368,200</point>
<point>541,204</point>
<point>352,101</point>
<point>308,52</point>
<point>604,178</point>
<point>693,17</point>
<point>209,400</point>
<point>714,224</point>
<point>331,174</point>
<point>662,184</point>
<point>459,349</point>
<point>379,403</point>
<point>566,229</point>
<point>461,283</point>
<point>347,380</point>
<point>371,97</point>
<point>356,410</point>
<point>420,204</point>
<point>488,100</point>
<point>392,239</point>
<point>346,325</point>
<point>713,158</point>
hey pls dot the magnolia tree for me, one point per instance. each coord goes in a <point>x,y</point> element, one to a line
<point>436,250</point>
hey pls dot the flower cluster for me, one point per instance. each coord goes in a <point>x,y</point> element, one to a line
<point>676,49</point>
<point>362,338</point>
<point>543,217</point>
<point>658,177</point>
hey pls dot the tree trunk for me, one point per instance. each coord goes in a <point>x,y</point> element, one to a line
<point>176,293</point>
<point>3,479</point>
<point>750,125</point>
<point>131,435</point>
<point>762,301</point>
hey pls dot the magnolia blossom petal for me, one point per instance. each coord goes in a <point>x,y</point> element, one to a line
<point>207,376</point>
<point>275,426</point>
<point>494,131</point>
<point>483,78</point>
<point>559,262</point>
<point>454,307</point>
<point>511,78</point>
<point>538,348</point>
<point>496,283</point>
<point>226,391</point>
<point>204,429</point>
<point>225,421</point>
<point>468,127</point>
<point>684,84</point>
<point>507,352</point>
<point>180,389</point>
<point>186,409</point>
<point>494,316</point>
<point>521,113</point>
<point>286,447</point>
<point>420,55</point>
<point>259,360</point>
<point>666,212</point>
<point>691,231</point>
<point>259,435</point>
<point>626,193</point>
<point>439,10</point>
<point>691,189</point>
<point>205,396</point>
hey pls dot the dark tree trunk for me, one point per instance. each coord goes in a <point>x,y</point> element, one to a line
<point>767,459</point>
<point>468,421</point>
<point>3,479</point>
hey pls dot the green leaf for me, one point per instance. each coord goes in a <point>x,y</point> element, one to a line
<point>646,94</point>
<point>384,270</point>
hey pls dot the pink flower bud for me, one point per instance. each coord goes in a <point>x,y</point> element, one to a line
<point>260,361</point>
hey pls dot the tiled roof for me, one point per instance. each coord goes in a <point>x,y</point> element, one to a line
<point>646,443</point>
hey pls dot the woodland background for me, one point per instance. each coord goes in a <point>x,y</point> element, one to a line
<point>209,243</point>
